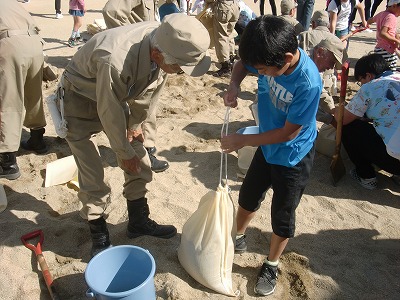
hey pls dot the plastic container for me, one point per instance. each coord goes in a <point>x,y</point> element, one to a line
<point>245,154</point>
<point>121,272</point>
<point>3,199</point>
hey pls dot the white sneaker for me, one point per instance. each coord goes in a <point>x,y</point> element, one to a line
<point>368,30</point>
<point>59,16</point>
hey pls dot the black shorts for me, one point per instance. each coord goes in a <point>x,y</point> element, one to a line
<point>288,184</point>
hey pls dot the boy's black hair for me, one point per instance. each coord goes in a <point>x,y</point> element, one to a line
<point>265,41</point>
<point>372,63</point>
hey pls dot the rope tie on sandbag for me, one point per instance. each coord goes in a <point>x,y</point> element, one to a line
<point>224,156</point>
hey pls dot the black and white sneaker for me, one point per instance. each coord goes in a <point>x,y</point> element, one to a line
<point>240,245</point>
<point>266,281</point>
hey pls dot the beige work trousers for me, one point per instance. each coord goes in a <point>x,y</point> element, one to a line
<point>149,126</point>
<point>21,102</point>
<point>83,121</point>
<point>226,14</point>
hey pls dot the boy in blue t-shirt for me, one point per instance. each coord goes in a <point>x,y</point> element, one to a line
<point>289,87</point>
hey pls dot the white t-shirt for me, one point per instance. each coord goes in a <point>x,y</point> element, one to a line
<point>344,14</point>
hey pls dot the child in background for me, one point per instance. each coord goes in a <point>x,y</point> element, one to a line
<point>197,7</point>
<point>77,11</point>
<point>386,38</point>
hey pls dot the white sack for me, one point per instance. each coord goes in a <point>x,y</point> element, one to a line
<point>207,244</point>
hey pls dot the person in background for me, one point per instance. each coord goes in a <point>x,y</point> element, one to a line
<point>21,73</point>
<point>127,65</point>
<point>125,12</point>
<point>370,8</point>
<point>167,9</point>
<point>375,6</point>
<point>308,40</point>
<point>305,9</point>
<point>288,12</point>
<point>77,11</point>
<point>387,41</point>
<point>245,16</point>
<point>371,120</point>
<point>271,3</point>
<point>339,16</point>
<point>226,14</point>
<point>289,86</point>
<point>57,6</point>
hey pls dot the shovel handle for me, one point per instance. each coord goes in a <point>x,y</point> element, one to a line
<point>34,234</point>
<point>47,276</point>
<point>342,98</point>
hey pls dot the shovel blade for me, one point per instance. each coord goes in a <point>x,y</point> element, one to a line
<point>338,170</point>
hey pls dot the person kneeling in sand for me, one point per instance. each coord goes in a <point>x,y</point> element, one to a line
<point>372,122</point>
<point>119,66</point>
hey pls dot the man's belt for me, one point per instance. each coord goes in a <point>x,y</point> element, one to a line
<point>9,33</point>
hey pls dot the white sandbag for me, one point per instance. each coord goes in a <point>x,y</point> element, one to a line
<point>61,171</point>
<point>207,243</point>
<point>326,142</point>
<point>55,104</point>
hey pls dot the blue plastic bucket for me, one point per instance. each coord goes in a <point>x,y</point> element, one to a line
<point>121,272</point>
<point>249,130</point>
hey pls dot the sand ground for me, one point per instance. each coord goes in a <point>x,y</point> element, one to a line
<point>347,241</point>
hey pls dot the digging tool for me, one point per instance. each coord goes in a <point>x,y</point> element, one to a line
<point>338,169</point>
<point>347,36</point>
<point>40,258</point>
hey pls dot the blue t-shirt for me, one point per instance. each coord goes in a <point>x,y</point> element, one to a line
<point>295,98</point>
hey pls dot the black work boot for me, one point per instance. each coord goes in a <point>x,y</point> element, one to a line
<point>225,70</point>
<point>157,165</point>
<point>8,166</point>
<point>140,224</point>
<point>100,235</point>
<point>35,142</point>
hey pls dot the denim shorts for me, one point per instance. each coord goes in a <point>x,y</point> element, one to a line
<point>288,184</point>
<point>343,32</point>
<point>76,13</point>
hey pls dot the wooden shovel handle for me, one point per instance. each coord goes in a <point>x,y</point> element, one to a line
<point>342,98</point>
<point>47,276</point>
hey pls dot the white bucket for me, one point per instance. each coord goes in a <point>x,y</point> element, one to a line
<point>245,154</point>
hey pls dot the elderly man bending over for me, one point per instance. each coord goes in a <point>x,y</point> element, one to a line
<point>125,65</point>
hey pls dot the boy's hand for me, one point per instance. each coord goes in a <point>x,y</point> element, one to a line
<point>232,142</point>
<point>230,96</point>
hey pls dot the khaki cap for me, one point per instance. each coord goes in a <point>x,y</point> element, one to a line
<point>393,2</point>
<point>334,46</point>
<point>320,16</point>
<point>287,5</point>
<point>184,38</point>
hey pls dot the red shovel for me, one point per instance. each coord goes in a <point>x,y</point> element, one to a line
<point>359,29</point>
<point>40,258</point>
